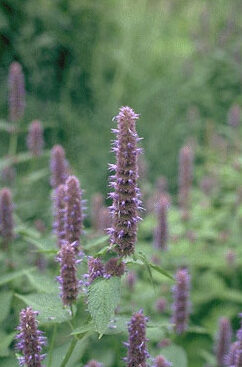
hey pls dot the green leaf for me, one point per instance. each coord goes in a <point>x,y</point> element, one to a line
<point>43,247</point>
<point>176,355</point>
<point>103,298</point>
<point>161,271</point>
<point>103,251</point>
<point>42,283</point>
<point>5,303</point>
<point>35,176</point>
<point>16,274</point>
<point>6,340</point>
<point>83,329</point>
<point>149,265</point>
<point>95,243</point>
<point>49,306</point>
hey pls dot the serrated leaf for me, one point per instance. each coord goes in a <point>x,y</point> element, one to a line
<point>49,306</point>
<point>43,246</point>
<point>103,298</point>
<point>14,275</point>
<point>5,303</point>
<point>42,283</point>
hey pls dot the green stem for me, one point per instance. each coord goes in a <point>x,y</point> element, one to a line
<point>69,352</point>
<point>50,353</point>
<point>13,142</point>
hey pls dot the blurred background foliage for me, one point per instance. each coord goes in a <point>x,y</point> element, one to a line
<point>177,63</point>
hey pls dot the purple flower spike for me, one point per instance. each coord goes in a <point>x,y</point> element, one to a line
<point>8,175</point>
<point>185,177</point>
<point>96,205</point>
<point>35,140</point>
<point>68,274</point>
<point>230,357</point>
<point>59,213</point>
<point>6,216</point>
<point>181,305</point>
<point>137,349</point>
<point>93,364</point>
<point>234,116</point>
<point>238,353</point>
<point>16,92</point>
<point>223,340</point>
<point>160,305</point>
<point>115,267</point>
<point>160,361</point>
<point>73,211</point>
<point>126,195</point>
<point>131,280</point>
<point>58,166</point>
<point>95,268</point>
<point>30,339</point>
<point>161,231</point>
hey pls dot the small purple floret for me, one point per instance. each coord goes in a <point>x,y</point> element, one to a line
<point>95,268</point>
<point>115,267</point>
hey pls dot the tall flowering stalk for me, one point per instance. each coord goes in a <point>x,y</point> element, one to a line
<point>6,216</point>
<point>161,231</point>
<point>230,357</point>
<point>35,140</point>
<point>223,340</point>
<point>8,175</point>
<point>126,195</point>
<point>137,344</point>
<point>96,205</point>
<point>181,305</point>
<point>16,87</point>
<point>59,214</point>
<point>234,116</point>
<point>69,284</point>
<point>160,361</point>
<point>58,166</point>
<point>131,280</point>
<point>30,339</point>
<point>185,177</point>
<point>73,211</point>
<point>238,353</point>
